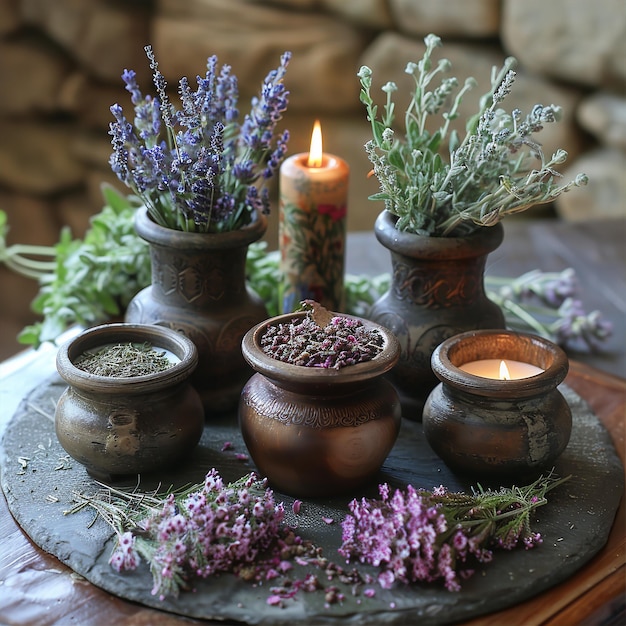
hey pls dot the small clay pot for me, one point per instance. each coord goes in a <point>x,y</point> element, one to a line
<point>492,427</point>
<point>316,431</point>
<point>116,426</point>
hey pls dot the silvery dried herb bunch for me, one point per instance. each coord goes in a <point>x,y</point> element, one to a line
<point>498,169</point>
<point>198,168</point>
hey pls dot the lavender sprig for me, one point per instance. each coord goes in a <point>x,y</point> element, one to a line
<point>197,168</point>
<point>417,535</point>
<point>206,529</point>
<point>548,303</point>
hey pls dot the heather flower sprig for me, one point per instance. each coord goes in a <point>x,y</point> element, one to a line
<point>196,532</point>
<point>548,303</point>
<point>498,168</point>
<point>335,342</point>
<point>417,535</point>
<point>198,168</point>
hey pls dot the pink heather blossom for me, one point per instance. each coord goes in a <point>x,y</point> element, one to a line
<point>274,600</point>
<point>415,535</point>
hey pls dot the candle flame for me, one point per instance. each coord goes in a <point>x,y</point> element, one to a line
<point>504,371</point>
<point>315,153</point>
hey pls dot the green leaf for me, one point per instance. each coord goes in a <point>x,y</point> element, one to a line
<point>377,129</point>
<point>381,195</point>
<point>113,198</point>
<point>435,141</point>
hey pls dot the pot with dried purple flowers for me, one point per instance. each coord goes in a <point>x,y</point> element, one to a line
<point>318,416</point>
<point>442,215</point>
<point>201,177</point>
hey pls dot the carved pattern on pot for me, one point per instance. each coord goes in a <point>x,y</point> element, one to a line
<point>427,342</point>
<point>435,287</point>
<point>416,353</point>
<point>311,416</point>
<point>190,282</point>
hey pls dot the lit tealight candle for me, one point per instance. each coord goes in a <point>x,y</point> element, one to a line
<point>500,369</point>
<point>312,227</point>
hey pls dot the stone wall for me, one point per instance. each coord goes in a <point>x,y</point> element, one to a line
<point>60,66</point>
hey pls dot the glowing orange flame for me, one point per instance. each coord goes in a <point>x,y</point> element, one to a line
<point>504,371</point>
<point>315,153</point>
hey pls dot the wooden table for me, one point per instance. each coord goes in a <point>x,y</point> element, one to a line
<point>35,588</point>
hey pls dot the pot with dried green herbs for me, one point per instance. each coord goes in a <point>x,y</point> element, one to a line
<point>129,407</point>
<point>444,199</point>
<point>318,416</point>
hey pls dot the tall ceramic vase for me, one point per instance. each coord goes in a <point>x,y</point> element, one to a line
<point>437,291</point>
<point>199,289</point>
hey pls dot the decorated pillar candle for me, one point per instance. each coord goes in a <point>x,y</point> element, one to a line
<point>312,227</point>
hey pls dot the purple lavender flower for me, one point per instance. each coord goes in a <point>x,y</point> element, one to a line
<point>549,304</point>
<point>417,535</point>
<point>197,168</point>
<point>575,324</point>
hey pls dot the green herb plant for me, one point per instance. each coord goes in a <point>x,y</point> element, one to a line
<point>86,281</point>
<point>497,169</point>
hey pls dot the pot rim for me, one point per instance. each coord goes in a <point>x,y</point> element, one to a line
<point>288,372</point>
<point>480,242</point>
<point>156,234</point>
<point>106,334</point>
<point>501,344</point>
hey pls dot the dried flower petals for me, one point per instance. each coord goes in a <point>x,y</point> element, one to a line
<point>344,341</point>
<point>411,535</point>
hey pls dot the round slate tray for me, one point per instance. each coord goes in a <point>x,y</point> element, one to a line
<point>38,482</point>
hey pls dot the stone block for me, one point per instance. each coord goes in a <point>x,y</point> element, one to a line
<point>465,18</point>
<point>325,50</point>
<point>604,116</point>
<point>45,68</point>
<point>605,194</point>
<point>36,158</point>
<point>105,37</point>
<point>572,40</point>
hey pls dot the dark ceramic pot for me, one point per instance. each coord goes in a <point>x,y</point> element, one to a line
<point>199,289</point>
<point>499,428</point>
<point>119,426</point>
<point>314,431</point>
<point>437,291</point>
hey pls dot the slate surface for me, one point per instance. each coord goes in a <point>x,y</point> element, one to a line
<point>575,524</point>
